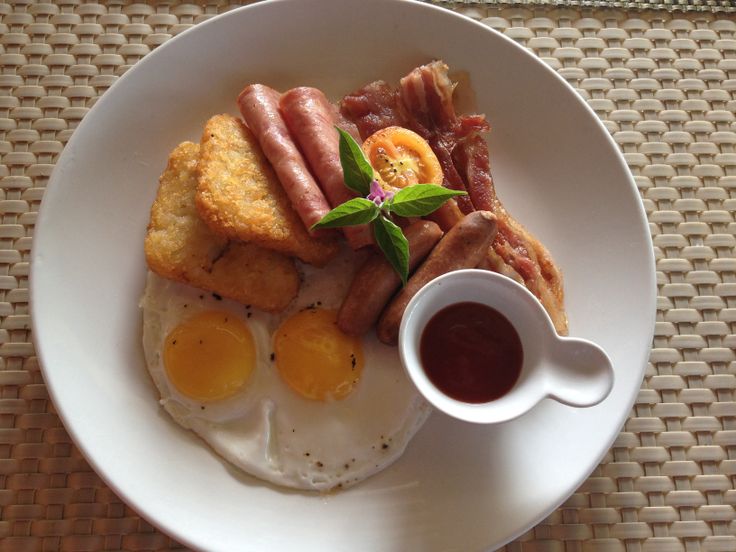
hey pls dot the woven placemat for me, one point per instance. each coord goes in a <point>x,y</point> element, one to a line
<point>663,83</point>
<point>683,6</point>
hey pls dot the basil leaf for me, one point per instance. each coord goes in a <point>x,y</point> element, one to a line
<point>393,243</point>
<point>356,169</point>
<point>420,199</point>
<point>353,212</point>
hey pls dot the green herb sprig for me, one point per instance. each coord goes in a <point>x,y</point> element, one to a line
<point>378,207</point>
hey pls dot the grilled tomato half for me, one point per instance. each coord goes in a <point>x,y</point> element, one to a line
<point>401,158</point>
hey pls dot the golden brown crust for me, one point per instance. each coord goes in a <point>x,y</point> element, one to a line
<point>240,197</point>
<point>181,247</point>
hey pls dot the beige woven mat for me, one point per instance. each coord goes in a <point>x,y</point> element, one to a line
<point>665,86</point>
<point>681,6</point>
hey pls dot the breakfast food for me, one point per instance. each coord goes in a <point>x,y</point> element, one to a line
<point>259,106</point>
<point>423,102</point>
<point>281,421</point>
<point>376,281</point>
<point>462,247</point>
<point>311,118</point>
<point>180,246</point>
<point>401,158</point>
<point>374,107</point>
<point>239,196</point>
<point>257,326</point>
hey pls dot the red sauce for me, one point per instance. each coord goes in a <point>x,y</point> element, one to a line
<point>471,352</point>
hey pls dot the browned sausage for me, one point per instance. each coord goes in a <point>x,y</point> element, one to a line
<point>311,119</point>
<point>376,281</point>
<point>259,106</point>
<point>464,246</point>
<point>447,216</point>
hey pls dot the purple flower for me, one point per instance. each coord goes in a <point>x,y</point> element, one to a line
<point>377,194</point>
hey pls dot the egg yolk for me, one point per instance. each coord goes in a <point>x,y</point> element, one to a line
<point>210,356</point>
<point>315,358</point>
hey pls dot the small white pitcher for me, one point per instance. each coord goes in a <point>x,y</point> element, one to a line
<point>572,371</point>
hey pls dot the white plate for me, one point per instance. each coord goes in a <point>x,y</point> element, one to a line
<point>459,486</point>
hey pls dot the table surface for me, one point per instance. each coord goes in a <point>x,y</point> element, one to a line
<point>663,83</point>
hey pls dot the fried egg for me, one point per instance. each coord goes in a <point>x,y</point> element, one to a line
<point>286,398</point>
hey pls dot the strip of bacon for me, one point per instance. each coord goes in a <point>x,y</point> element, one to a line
<point>426,93</point>
<point>311,119</point>
<point>373,108</point>
<point>259,106</point>
<point>424,104</point>
<point>515,251</point>
<point>426,97</point>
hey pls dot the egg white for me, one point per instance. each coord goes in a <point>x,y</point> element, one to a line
<point>267,429</point>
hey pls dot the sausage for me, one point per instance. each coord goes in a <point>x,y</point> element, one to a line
<point>447,216</point>
<point>464,246</point>
<point>311,119</point>
<point>259,106</point>
<point>376,280</point>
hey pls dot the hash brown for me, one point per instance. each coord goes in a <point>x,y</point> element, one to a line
<point>181,247</point>
<point>240,197</point>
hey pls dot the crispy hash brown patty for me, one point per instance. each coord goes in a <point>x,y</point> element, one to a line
<point>181,247</point>
<point>240,197</point>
